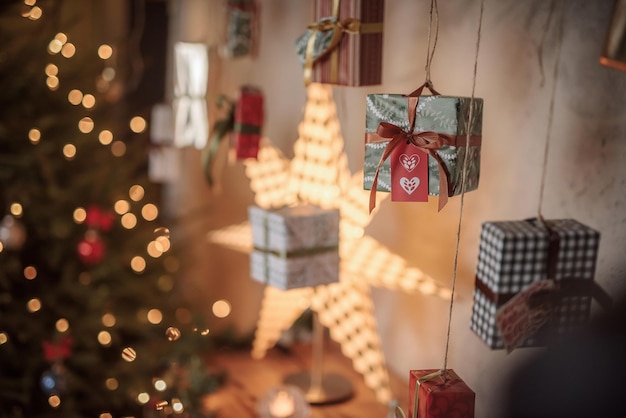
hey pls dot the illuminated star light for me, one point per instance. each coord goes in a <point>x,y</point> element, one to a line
<point>319,174</point>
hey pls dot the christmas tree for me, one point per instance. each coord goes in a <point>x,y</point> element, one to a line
<point>90,325</point>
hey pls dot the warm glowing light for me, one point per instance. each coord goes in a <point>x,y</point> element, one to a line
<point>30,2</point>
<point>121,207</point>
<point>143,398</point>
<point>118,149</point>
<point>154,249</point>
<point>85,125</point>
<point>104,338</point>
<point>30,272</point>
<point>16,209</point>
<point>54,401</point>
<point>221,308</point>
<point>162,231</point>
<point>128,354</point>
<point>204,331</point>
<point>54,47</point>
<point>111,383</point>
<point>105,137</point>
<point>34,135</point>
<point>61,37</point>
<point>138,264</point>
<point>69,151</point>
<point>68,50</point>
<point>89,101</point>
<point>108,319</point>
<point>105,51</point>
<point>80,214</point>
<point>51,70</point>
<point>62,325</point>
<point>33,305</point>
<point>105,415</point>
<point>4,337</point>
<point>136,192</point>
<point>1,246</point>
<point>177,405</point>
<point>149,212</point>
<point>52,82</point>
<point>162,243</point>
<point>35,13</point>
<point>160,385</point>
<point>138,124</point>
<point>154,316</point>
<point>172,333</point>
<point>129,220</point>
<point>159,406</point>
<point>75,97</point>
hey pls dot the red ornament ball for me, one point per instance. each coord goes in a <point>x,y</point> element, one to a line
<point>91,249</point>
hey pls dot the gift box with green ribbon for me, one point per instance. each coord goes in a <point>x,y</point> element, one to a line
<point>344,43</point>
<point>436,125</point>
<point>242,29</point>
<point>294,246</point>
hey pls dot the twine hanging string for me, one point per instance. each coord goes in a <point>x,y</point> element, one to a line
<point>469,124</point>
<point>542,42</point>
<point>430,52</point>
<point>555,74</point>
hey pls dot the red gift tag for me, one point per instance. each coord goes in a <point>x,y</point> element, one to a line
<point>409,174</point>
<point>518,319</point>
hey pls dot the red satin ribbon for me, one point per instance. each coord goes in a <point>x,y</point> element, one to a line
<point>61,350</point>
<point>428,141</point>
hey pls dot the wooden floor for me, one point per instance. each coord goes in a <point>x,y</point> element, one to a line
<point>249,379</point>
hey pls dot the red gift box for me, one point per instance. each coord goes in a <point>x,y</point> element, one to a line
<point>438,394</point>
<point>357,60</point>
<point>248,122</point>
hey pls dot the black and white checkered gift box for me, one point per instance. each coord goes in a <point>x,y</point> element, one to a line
<point>514,254</point>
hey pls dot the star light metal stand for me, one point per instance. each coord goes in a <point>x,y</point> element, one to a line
<point>320,388</point>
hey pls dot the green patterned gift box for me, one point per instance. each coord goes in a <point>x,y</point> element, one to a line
<point>441,114</point>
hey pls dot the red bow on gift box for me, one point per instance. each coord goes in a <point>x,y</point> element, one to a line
<point>61,350</point>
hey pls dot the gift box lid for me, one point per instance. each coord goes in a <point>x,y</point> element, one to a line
<point>514,254</point>
<point>448,385</point>
<point>442,114</point>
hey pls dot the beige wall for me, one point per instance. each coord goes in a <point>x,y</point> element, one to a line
<point>586,174</point>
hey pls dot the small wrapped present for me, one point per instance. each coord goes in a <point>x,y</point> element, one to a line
<point>242,37</point>
<point>294,246</point>
<point>191,74</point>
<point>248,123</point>
<point>163,157</point>
<point>439,394</point>
<point>344,45</point>
<point>415,145</point>
<point>534,280</point>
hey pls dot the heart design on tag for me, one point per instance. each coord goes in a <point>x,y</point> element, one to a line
<point>409,185</point>
<point>409,162</point>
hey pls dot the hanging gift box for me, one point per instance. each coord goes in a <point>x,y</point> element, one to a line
<point>191,72</point>
<point>163,157</point>
<point>248,123</point>
<point>440,394</point>
<point>534,281</point>
<point>242,32</point>
<point>294,246</point>
<point>344,45</point>
<point>415,145</point>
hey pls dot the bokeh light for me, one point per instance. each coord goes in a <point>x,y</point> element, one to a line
<point>105,51</point>
<point>52,82</point>
<point>160,385</point>
<point>118,149</point>
<point>34,135</point>
<point>35,13</point>
<point>89,101</point>
<point>108,319</point>
<point>54,401</point>
<point>51,70</point>
<point>129,220</point>
<point>172,333</point>
<point>68,50</point>
<point>4,337</point>
<point>129,354</point>
<point>137,124</point>
<point>85,125</point>
<point>111,383</point>
<point>16,209</point>
<point>149,212</point>
<point>80,214</point>
<point>30,272</point>
<point>136,192</point>
<point>105,137</point>
<point>104,338</point>
<point>33,305</point>
<point>69,151</point>
<point>121,206</point>
<point>154,316</point>
<point>62,325</point>
<point>143,398</point>
<point>138,264</point>
<point>221,308</point>
<point>75,97</point>
<point>54,47</point>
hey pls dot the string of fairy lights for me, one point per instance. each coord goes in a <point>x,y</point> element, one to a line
<point>130,211</point>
